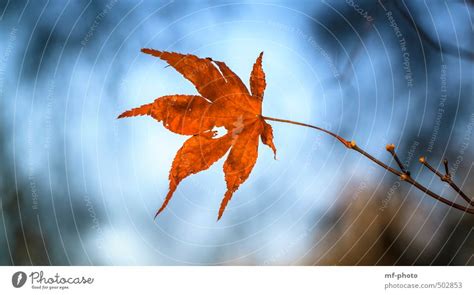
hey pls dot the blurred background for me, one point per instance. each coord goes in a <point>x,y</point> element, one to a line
<point>78,187</point>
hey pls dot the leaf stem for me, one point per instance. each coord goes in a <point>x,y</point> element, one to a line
<point>404,175</point>
<point>342,140</point>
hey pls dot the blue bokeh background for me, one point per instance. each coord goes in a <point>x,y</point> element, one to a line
<point>80,187</point>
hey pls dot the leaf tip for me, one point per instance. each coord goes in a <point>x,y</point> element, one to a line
<point>219,215</point>
<point>158,212</point>
<point>123,115</point>
<point>225,201</point>
<point>151,52</point>
<point>165,202</point>
<point>260,58</point>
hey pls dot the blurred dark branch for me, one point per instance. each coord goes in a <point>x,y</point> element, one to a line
<point>346,72</point>
<point>437,45</point>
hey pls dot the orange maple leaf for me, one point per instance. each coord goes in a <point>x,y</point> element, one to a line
<point>224,102</point>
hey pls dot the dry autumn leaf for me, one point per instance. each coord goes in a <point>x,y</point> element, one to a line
<point>224,102</point>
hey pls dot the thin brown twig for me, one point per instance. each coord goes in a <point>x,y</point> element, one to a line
<point>404,175</point>
<point>447,178</point>
<point>446,48</point>
<point>446,168</point>
<point>391,149</point>
<point>342,140</point>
